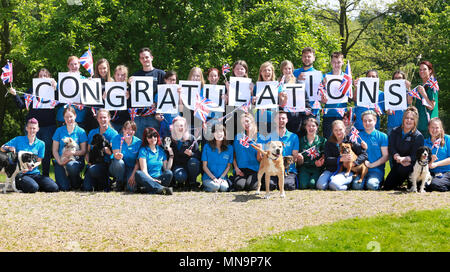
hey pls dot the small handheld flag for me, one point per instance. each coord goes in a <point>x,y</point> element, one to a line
<point>133,113</point>
<point>28,100</point>
<point>346,84</point>
<point>414,93</point>
<point>226,69</point>
<point>354,135</point>
<point>7,73</point>
<point>201,107</point>
<point>432,82</point>
<point>312,152</point>
<point>245,141</point>
<point>88,61</point>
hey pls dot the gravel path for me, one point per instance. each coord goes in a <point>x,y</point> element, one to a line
<point>186,221</point>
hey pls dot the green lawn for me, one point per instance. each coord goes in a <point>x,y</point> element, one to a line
<point>415,231</point>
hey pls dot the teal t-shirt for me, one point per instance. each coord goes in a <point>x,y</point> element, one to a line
<point>21,143</point>
<point>155,160</point>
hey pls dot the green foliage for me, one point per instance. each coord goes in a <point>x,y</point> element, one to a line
<point>278,31</point>
<point>415,231</point>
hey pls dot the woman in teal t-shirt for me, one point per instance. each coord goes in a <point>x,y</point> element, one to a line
<point>430,96</point>
<point>439,142</point>
<point>154,175</point>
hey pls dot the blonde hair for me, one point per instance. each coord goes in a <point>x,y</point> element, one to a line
<point>369,112</point>
<point>413,110</point>
<point>122,68</point>
<point>253,129</point>
<point>335,123</point>
<point>263,66</point>
<point>442,134</point>
<point>107,113</point>
<point>174,132</point>
<point>198,70</point>
<point>283,64</point>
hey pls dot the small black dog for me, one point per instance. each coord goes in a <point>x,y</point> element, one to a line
<point>8,163</point>
<point>97,153</point>
<point>12,164</point>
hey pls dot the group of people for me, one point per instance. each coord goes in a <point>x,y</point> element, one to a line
<point>137,161</point>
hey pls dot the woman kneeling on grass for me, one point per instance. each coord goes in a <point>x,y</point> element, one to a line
<point>31,180</point>
<point>217,157</point>
<point>310,166</point>
<point>403,144</point>
<point>152,159</point>
<point>333,159</point>
<point>125,149</point>
<point>439,142</point>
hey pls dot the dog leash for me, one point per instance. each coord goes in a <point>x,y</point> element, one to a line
<point>338,165</point>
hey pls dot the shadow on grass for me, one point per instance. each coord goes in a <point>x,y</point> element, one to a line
<point>245,197</point>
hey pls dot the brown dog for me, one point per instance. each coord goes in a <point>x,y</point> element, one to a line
<point>361,170</point>
<point>272,164</point>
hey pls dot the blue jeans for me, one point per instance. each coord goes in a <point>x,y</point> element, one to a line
<point>143,122</point>
<point>35,182</point>
<point>121,174</point>
<point>211,186</point>
<point>340,182</point>
<point>73,180</point>
<point>371,181</point>
<point>324,180</point>
<point>45,134</point>
<point>181,174</point>
<point>150,186</point>
<point>96,178</point>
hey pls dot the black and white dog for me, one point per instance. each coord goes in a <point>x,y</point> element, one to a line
<point>97,153</point>
<point>12,164</point>
<point>421,171</point>
<point>167,141</point>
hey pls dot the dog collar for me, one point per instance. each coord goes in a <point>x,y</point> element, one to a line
<point>422,164</point>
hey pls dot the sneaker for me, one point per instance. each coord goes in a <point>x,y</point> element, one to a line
<point>167,191</point>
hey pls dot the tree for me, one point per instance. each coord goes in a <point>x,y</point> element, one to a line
<point>181,34</point>
<point>341,16</point>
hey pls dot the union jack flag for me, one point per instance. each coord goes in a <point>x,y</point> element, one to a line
<point>245,141</point>
<point>316,105</point>
<point>148,111</point>
<point>312,152</point>
<point>354,134</point>
<point>88,61</point>
<point>341,111</point>
<point>378,110</point>
<point>7,74</point>
<point>414,93</point>
<point>133,113</point>
<point>437,143</point>
<point>53,103</point>
<point>28,100</point>
<point>346,83</point>
<point>281,84</point>
<point>226,69</point>
<point>432,82</point>
<point>247,106</point>
<point>201,107</point>
<point>322,90</point>
<point>79,106</point>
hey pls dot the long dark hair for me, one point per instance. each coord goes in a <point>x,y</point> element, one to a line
<point>150,132</point>
<point>224,144</point>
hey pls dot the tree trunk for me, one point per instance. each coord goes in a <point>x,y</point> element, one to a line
<point>5,46</point>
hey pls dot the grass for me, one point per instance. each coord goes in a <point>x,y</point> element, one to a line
<point>415,231</point>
